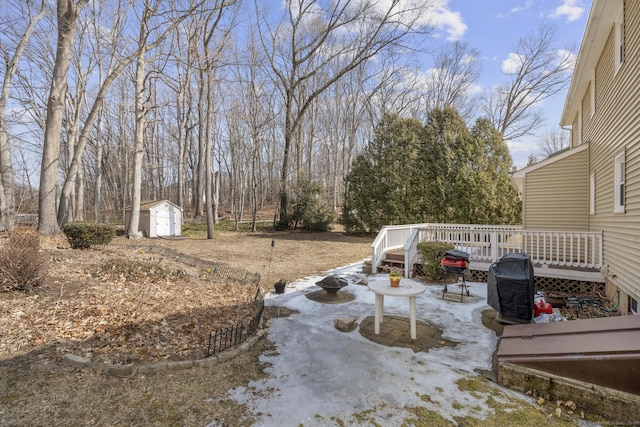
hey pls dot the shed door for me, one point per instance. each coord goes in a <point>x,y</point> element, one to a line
<point>163,222</point>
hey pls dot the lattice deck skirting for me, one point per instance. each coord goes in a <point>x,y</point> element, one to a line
<point>544,284</point>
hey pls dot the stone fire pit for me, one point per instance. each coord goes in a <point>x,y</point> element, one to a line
<point>331,285</point>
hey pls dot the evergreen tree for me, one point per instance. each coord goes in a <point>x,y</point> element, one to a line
<point>446,162</point>
<point>495,200</point>
<point>440,173</point>
<point>380,188</point>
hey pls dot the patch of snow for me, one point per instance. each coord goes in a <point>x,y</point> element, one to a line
<point>320,374</point>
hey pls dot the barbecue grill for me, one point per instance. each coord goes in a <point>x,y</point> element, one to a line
<point>455,262</point>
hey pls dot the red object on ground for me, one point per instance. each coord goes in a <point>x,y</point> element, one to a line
<point>541,307</point>
<point>451,262</point>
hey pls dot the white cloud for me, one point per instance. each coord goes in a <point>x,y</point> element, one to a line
<point>520,151</point>
<point>433,13</point>
<point>527,5</point>
<point>517,9</point>
<point>475,89</point>
<point>572,10</point>
<point>567,58</point>
<point>512,64</point>
<point>438,15</point>
<point>449,20</point>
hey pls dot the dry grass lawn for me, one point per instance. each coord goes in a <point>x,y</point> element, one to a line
<point>137,302</point>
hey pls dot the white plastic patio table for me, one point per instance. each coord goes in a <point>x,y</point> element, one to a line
<point>407,289</point>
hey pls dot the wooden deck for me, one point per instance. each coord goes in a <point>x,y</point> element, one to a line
<point>575,256</point>
<point>396,259</point>
<point>565,273</point>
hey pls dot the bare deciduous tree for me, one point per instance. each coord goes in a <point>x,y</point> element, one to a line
<point>151,8</point>
<point>7,198</point>
<point>315,44</point>
<point>67,15</point>
<point>537,70</point>
<point>553,141</point>
<point>455,71</point>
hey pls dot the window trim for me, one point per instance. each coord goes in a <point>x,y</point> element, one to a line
<point>619,178</point>
<point>580,124</point>
<point>619,40</point>
<point>593,92</point>
<point>592,194</point>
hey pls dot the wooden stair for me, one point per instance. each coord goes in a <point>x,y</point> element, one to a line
<point>391,259</point>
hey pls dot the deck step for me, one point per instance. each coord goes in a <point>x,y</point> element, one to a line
<point>395,256</point>
<point>385,264</point>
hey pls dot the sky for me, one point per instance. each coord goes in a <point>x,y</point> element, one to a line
<point>493,26</point>
<point>318,374</point>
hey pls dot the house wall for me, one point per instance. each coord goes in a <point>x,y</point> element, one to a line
<point>549,206</point>
<point>575,140</point>
<point>614,128</point>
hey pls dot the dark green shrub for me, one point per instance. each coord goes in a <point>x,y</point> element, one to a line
<point>283,222</point>
<point>309,212</point>
<point>431,254</point>
<point>84,235</point>
<point>22,264</point>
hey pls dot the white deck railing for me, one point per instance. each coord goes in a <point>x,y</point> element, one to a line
<point>489,243</point>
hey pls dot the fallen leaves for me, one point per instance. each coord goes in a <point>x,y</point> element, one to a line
<point>544,403</point>
<point>134,311</point>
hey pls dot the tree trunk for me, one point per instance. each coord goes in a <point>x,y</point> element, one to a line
<point>208,157</point>
<point>288,137</point>
<point>7,188</point>
<point>98,185</point>
<point>7,197</point>
<point>216,196</point>
<point>138,139</point>
<point>67,16</point>
<point>79,206</point>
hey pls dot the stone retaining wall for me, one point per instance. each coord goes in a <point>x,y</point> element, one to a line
<point>126,371</point>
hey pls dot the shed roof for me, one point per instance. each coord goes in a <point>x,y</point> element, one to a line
<point>150,204</point>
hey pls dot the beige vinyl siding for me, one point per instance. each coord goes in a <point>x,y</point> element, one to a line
<point>557,195</point>
<point>586,112</point>
<point>575,134</point>
<point>615,128</point>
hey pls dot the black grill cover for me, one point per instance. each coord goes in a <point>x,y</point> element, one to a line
<point>456,254</point>
<point>510,286</point>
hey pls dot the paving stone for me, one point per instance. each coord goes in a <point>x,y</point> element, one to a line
<point>152,369</point>
<point>227,355</point>
<point>345,324</point>
<point>209,361</point>
<point>395,332</point>
<point>182,364</point>
<point>121,371</point>
<point>77,361</point>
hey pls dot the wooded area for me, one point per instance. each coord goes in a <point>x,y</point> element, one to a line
<point>234,103</point>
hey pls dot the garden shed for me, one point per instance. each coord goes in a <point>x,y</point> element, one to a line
<point>157,218</point>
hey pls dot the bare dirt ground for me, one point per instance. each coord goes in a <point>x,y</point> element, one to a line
<point>137,302</point>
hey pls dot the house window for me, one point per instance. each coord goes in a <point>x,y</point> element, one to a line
<point>619,30</point>
<point>592,194</point>
<point>633,306</point>
<point>619,187</point>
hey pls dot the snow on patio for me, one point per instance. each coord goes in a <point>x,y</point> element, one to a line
<point>320,376</point>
